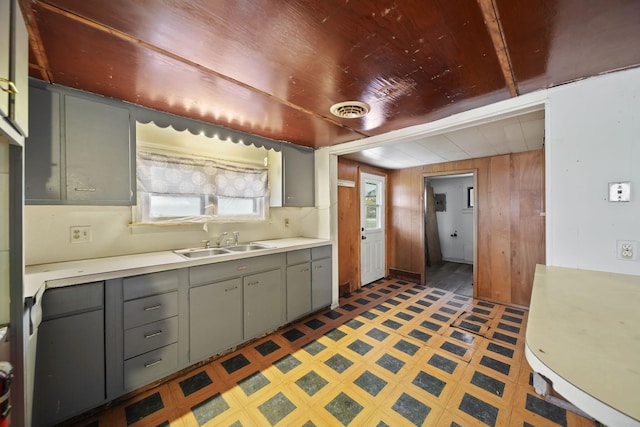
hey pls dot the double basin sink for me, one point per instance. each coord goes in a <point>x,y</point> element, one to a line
<point>210,252</point>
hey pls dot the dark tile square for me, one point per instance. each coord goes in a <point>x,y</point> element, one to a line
<point>394,286</point>
<point>314,347</point>
<point>455,304</point>
<point>390,363</point>
<point>424,303</point>
<point>454,349</point>
<point>354,324</point>
<point>370,383</point>
<point>546,410</point>
<point>287,363</point>
<point>487,383</point>
<point>335,334</point>
<point>479,409</point>
<point>363,301</point>
<point>481,311</point>
<point>382,308</point>
<point>437,292</point>
<point>195,383</point>
<point>402,296</point>
<point>348,307</point>
<point>209,408</point>
<point>401,282</point>
<point>508,328</point>
<point>485,304</point>
<point>338,363</point>
<point>162,424</point>
<point>429,383</point>
<point>431,326</point>
<point>503,351</point>
<point>496,365</point>
<point>505,338</point>
<point>404,316</point>
<point>477,319</point>
<point>267,347</point>
<point>432,298</point>
<point>253,383</point>
<point>344,408</point>
<point>415,309</point>
<point>411,292</point>
<point>392,301</point>
<point>517,320</point>
<point>373,295</point>
<point>470,326</point>
<point>463,336</point>
<point>276,408</point>
<point>360,347</point>
<point>514,311</point>
<point>377,334</point>
<point>447,310</point>
<point>443,363</point>
<point>440,317</point>
<point>315,324</point>
<point>406,347</point>
<point>392,324</point>
<point>384,291</point>
<point>461,298</point>
<point>235,363</point>
<point>368,315</point>
<point>411,409</point>
<point>333,315</point>
<point>293,334</point>
<point>311,383</point>
<point>143,408</point>
<point>422,336</point>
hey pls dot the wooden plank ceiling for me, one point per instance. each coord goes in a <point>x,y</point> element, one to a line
<point>274,68</point>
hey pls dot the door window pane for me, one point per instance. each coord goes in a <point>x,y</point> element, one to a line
<point>372,206</point>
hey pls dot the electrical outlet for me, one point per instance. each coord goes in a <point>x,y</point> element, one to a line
<point>286,222</point>
<point>627,250</point>
<point>80,233</point>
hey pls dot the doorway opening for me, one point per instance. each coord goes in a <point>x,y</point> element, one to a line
<point>450,231</point>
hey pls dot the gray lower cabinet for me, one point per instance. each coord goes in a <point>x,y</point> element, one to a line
<point>70,359</point>
<point>298,283</point>
<point>263,303</point>
<point>215,318</point>
<point>321,277</point>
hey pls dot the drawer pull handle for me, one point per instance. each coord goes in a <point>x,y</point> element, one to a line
<point>304,270</point>
<point>242,267</point>
<point>318,267</point>
<point>150,364</point>
<point>91,190</point>
<point>231,289</point>
<point>153,307</point>
<point>153,334</point>
<point>253,283</point>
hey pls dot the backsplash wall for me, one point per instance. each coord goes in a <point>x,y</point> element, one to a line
<point>47,232</point>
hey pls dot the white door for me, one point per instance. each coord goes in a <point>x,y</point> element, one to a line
<point>372,226</point>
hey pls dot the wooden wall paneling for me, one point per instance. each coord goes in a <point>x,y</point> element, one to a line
<point>482,269</point>
<point>348,226</point>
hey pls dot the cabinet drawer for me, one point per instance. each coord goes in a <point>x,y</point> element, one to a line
<point>151,366</point>
<point>299,256</point>
<point>321,252</point>
<point>222,270</point>
<point>150,309</point>
<point>149,284</point>
<point>72,299</point>
<point>150,337</point>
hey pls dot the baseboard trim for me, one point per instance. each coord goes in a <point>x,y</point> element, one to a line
<point>412,276</point>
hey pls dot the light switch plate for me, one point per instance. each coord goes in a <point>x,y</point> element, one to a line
<point>619,191</point>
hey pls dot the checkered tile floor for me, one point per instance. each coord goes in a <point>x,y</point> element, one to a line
<point>393,354</point>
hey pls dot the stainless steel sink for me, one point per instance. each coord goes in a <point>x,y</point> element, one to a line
<point>246,248</point>
<point>201,252</point>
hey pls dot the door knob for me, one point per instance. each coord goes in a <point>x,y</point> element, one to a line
<point>364,237</point>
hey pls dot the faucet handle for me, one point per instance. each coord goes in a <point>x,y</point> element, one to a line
<point>207,244</point>
<point>236,237</point>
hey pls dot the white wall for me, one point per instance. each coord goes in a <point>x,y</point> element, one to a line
<point>457,217</point>
<point>592,138</point>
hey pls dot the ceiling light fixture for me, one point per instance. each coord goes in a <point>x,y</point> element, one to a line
<point>350,109</point>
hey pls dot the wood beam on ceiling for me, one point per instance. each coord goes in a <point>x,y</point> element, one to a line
<point>35,41</point>
<point>126,37</point>
<point>494,26</point>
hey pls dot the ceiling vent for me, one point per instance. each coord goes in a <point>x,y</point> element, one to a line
<point>350,109</point>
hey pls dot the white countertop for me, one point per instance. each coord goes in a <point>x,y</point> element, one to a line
<point>583,333</point>
<point>83,271</point>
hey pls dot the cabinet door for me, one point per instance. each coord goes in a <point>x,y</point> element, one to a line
<point>298,290</point>
<point>42,148</point>
<point>263,303</point>
<point>5,53</point>
<point>98,153</point>
<point>20,72</point>
<point>215,318</point>
<point>298,181</point>
<point>70,367</point>
<point>321,283</point>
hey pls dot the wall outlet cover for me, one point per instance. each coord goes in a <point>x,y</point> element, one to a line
<point>626,250</point>
<point>619,191</point>
<point>80,233</point>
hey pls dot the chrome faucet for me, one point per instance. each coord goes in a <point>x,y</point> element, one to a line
<point>236,237</point>
<point>207,244</point>
<point>223,239</point>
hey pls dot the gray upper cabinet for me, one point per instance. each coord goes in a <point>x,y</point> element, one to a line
<point>80,151</point>
<point>298,169</point>
<point>13,71</point>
